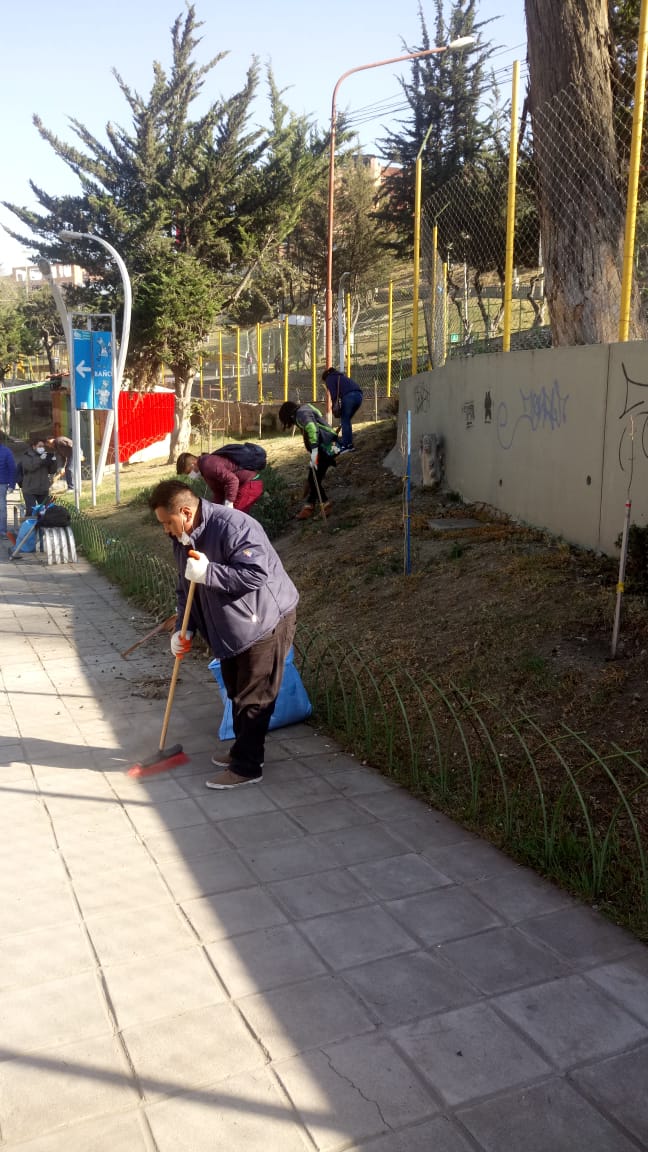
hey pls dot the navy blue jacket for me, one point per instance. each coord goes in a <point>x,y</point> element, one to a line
<point>340,385</point>
<point>7,466</point>
<point>247,591</point>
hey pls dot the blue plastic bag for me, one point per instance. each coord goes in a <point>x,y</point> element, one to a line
<point>291,707</point>
<point>23,531</point>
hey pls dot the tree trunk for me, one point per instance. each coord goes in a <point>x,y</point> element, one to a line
<point>181,413</point>
<point>581,191</point>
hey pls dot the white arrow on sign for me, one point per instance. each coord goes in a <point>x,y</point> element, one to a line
<point>83,369</point>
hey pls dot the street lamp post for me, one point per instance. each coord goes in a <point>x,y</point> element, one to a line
<point>112,421</point>
<point>462,42</point>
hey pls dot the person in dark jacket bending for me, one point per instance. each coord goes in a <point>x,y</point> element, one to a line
<point>244,607</point>
<point>321,442</point>
<point>346,398</point>
<point>229,485</point>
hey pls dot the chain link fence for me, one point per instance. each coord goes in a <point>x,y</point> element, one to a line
<point>464,224</point>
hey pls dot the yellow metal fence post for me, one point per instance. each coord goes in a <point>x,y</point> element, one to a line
<point>314,350</point>
<point>348,334</point>
<point>390,325</point>
<point>433,309</point>
<point>220,366</point>
<point>633,174</point>
<point>238,365</point>
<point>510,212</point>
<point>259,343</point>
<point>285,359</point>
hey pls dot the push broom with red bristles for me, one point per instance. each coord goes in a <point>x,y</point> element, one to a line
<point>166,758</point>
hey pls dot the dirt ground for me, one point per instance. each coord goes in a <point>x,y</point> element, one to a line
<point>499,608</point>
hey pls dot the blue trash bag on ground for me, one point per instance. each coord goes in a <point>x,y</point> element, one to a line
<point>291,707</point>
<point>23,531</point>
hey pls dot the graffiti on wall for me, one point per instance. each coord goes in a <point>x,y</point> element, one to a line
<point>545,410</point>
<point>488,407</point>
<point>635,416</point>
<point>468,410</point>
<point>421,398</point>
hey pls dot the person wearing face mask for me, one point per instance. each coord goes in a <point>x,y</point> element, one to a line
<point>229,484</point>
<point>36,468</point>
<point>244,607</point>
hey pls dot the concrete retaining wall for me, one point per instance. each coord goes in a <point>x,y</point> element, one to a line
<point>552,437</point>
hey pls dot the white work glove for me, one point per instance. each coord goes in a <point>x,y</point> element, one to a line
<point>314,457</point>
<point>196,569</point>
<point>228,503</point>
<point>180,644</point>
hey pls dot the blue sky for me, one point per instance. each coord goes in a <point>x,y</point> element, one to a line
<point>57,60</point>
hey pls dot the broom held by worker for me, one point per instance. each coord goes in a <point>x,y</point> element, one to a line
<point>321,443</point>
<point>346,398</point>
<point>244,607</point>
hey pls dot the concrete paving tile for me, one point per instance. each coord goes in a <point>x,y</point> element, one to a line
<point>356,936</point>
<point>580,936</point>
<point>226,914</point>
<point>354,781</point>
<point>399,876</point>
<point>627,982</point>
<point>521,895</point>
<point>278,769</point>
<point>27,869</point>
<point>183,1052</point>
<point>186,843</point>
<point>443,914</point>
<point>43,954</point>
<point>307,1015</point>
<point>438,1135</point>
<point>618,1086</point>
<point>204,875</point>
<point>354,845</point>
<point>59,1086</point>
<point>229,805</point>
<point>329,815</point>
<point>266,828</point>
<point>393,804</point>
<point>52,1013</point>
<point>120,888</point>
<point>367,1086</point>
<point>131,933</point>
<point>144,991</point>
<point>471,861</point>
<point>49,903</point>
<point>264,959</point>
<point>468,1053</point>
<point>547,1116</point>
<point>293,858</point>
<point>243,1112</point>
<point>571,1020</point>
<point>429,831</point>
<point>301,741</point>
<point>330,891</point>
<point>155,818</point>
<point>124,1133</point>
<point>502,959</point>
<point>291,793</point>
<point>408,987</point>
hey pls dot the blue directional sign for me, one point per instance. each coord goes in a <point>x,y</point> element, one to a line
<point>93,369</point>
<point>82,348</point>
<point>102,365</point>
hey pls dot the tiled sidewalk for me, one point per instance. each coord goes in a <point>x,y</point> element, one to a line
<point>316,962</point>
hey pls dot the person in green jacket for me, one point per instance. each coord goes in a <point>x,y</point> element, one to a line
<point>321,443</point>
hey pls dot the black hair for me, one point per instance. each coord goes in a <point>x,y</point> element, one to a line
<point>182,465</point>
<point>287,413</point>
<point>170,495</point>
<point>326,373</point>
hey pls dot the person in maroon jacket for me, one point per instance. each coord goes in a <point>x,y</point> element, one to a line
<point>229,484</point>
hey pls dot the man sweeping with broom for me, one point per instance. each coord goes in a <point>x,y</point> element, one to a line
<point>245,608</point>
